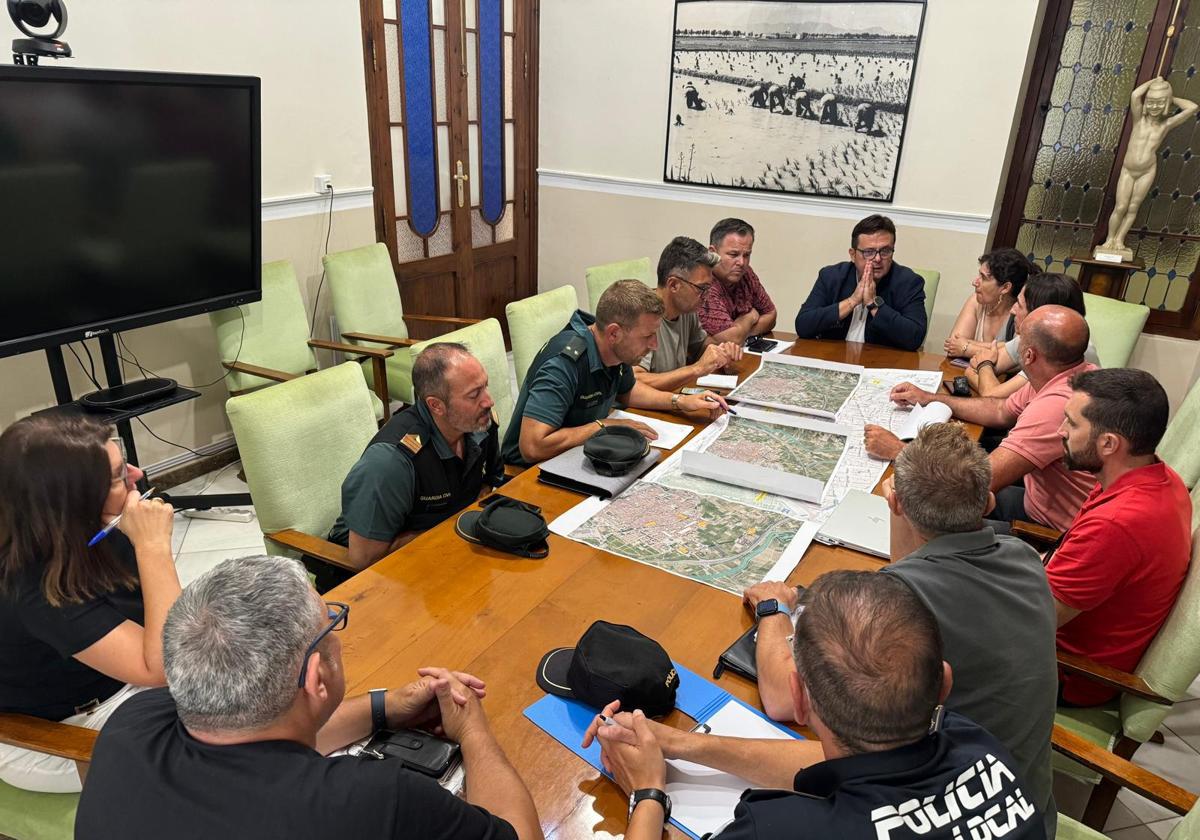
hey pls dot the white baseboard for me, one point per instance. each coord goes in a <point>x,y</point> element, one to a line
<point>224,442</point>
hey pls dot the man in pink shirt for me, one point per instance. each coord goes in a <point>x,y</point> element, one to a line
<point>736,306</point>
<point>1053,341</point>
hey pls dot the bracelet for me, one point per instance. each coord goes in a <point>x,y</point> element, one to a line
<point>600,424</point>
<point>675,401</point>
<point>378,709</point>
<point>987,362</point>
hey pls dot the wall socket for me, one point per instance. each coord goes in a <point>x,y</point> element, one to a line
<point>322,183</point>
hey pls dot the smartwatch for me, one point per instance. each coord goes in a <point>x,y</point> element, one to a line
<point>378,709</point>
<point>768,607</point>
<point>875,304</point>
<point>659,796</point>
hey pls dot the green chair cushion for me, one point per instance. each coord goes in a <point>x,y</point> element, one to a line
<point>1069,829</point>
<point>1098,724</point>
<point>534,320</point>
<point>600,277</point>
<point>486,343</point>
<point>1116,327</point>
<point>1180,446</point>
<point>25,815</point>
<point>932,279</point>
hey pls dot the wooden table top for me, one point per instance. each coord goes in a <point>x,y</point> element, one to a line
<point>442,601</point>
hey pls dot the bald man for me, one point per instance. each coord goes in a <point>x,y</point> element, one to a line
<point>1053,342</point>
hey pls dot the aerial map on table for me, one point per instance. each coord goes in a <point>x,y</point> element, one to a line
<point>806,452</point>
<point>795,384</point>
<point>724,544</point>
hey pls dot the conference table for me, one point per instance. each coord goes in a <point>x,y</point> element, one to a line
<point>442,601</point>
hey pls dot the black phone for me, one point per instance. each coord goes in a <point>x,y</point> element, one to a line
<point>961,387</point>
<point>491,498</point>
<point>420,751</point>
<point>761,345</point>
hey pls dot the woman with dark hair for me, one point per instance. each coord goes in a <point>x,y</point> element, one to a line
<point>986,316</point>
<point>80,626</point>
<point>1002,357</point>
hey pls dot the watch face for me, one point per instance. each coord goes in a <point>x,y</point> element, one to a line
<point>878,302</point>
<point>767,607</point>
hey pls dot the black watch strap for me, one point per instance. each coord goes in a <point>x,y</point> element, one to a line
<point>659,796</point>
<point>378,709</point>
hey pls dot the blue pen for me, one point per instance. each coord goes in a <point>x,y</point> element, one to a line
<point>727,408</point>
<point>107,529</point>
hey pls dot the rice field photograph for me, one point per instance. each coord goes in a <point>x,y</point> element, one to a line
<point>790,95</point>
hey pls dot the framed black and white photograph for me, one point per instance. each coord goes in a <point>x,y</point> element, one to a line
<point>794,96</point>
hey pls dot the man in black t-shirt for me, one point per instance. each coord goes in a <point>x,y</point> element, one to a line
<point>237,748</point>
<point>890,762</point>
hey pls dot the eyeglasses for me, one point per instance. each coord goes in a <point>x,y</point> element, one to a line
<point>869,253</point>
<point>338,619</point>
<point>123,477</point>
<point>700,290</point>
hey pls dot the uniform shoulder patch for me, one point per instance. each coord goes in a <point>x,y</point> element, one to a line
<point>574,348</point>
<point>412,442</point>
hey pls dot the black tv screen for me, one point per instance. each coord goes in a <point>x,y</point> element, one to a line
<point>126,199</point>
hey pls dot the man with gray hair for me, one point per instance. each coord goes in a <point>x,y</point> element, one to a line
<point>580,372</point>
<point>427,463</point>
<point>891,762</point>
<point>988,593</point>
<point>685,351</point>
<point>235,746</point>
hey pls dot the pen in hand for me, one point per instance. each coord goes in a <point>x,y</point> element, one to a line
<point>727,408</point>
<point>107,529</point>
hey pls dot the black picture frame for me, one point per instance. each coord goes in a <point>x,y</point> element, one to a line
<point>855,155</point>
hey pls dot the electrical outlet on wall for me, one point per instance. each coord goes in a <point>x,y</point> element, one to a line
<point>322,183</point>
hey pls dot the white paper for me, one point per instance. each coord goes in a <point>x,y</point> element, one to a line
<point>703,799</point>
<point>752,476</point>
<point>794,552</point>
<point>920,417</point>
<point>724,381</point>
<point>670,434</point>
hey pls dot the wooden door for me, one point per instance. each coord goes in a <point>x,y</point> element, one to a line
<point>451,92</point>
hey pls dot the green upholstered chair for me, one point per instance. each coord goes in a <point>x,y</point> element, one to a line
<point>486,343</point>
<point>1162,678</point>
<point>26,815</point>
<point>534,320</point>
<point>1180,446</point>
<point>1116,327</point>
<point>600,277</point>
<point>298,440</point>
<point>932,278</point>
<point>268,341</point>
<point>366,303</point>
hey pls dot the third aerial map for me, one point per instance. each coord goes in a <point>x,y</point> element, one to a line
<point>806,452</point>
<point>798,387</point>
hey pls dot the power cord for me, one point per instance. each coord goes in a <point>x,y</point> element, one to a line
<point>146,372</point>
<point>312,326</point>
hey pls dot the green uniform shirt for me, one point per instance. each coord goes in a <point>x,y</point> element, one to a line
<point>564,392</point>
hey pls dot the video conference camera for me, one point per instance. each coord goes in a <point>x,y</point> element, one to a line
<point>31,15</point>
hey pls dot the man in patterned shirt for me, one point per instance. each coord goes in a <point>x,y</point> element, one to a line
<point>737,307</point>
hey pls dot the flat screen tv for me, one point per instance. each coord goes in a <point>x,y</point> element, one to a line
<point>126,199</point>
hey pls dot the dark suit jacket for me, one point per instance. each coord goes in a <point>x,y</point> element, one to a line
<point>900,322</point>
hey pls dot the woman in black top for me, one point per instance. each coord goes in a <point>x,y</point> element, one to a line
<point>80,626</point>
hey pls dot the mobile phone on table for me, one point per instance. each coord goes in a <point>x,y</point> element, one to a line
<point>692,390</point>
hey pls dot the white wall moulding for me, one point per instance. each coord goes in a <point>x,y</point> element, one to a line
<point>796,204</point>
<point>225,441</point>
<point>312,204</point>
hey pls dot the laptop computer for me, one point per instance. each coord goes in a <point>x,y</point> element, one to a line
<point>861,521</point>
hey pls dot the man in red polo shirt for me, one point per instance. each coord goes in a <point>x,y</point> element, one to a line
<point>1122,563</point>
<point>737,306</point>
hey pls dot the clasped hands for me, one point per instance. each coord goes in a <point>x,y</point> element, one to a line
<point>718,357</point>
<point>865,292</point>
<point>442,701</point>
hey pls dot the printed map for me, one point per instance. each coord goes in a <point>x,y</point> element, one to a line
<point>721,543</point>
<point>798,387</point>
<point>805,452</point>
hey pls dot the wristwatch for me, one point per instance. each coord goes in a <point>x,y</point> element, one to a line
<point>378,709</point>
<point>659,796</point>
<point>675,398</point>
<point>770,606</point>
<point>875,304</point>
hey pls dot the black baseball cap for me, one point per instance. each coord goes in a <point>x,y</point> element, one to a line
<point>612,662</point>
<point>615,450</point>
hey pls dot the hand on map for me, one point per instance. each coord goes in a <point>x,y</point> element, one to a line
<point>908,394</point>
<point>711,404</point>
<point>768,589</point>
<point>646,431</point>
<point>629,748</point>
<point>880,443</point>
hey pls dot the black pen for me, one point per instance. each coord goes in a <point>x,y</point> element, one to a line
<point>727,408</point>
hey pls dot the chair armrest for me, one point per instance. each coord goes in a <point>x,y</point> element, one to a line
<point>512,470</point>
<point>1031,532</point>
<point>331,553</point>
<point>1125,773</point>
<point>1109,676</point>
<point>442,319</point>
<point>389,340</point>
<point>265,373</point>
<point>369,352</point>
<point>47,736</point>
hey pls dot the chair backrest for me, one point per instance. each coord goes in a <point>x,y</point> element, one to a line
<point>534,320</point>
<point>1180,446</point>
<point>297,441</point>
<point>276,330</point>
<point>932,278</point>
<point>1189,827</point>
<point>362,286</point>
<point>1172,662</point>
<point>37,816</point>
<point>486,343</point>
<point>1116,327</point>
<point>600,277</point>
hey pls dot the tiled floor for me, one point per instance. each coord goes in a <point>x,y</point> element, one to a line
<point>201,544</point>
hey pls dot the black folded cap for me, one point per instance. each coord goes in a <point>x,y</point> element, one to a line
<point>614,450</point>
<point>508,525</point>
<point>612,662</point>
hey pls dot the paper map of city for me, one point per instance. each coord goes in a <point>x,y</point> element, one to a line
<point>793,383</point>
<point>705,538</point>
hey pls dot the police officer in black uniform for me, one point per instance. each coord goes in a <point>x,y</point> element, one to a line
<point>427,463</point>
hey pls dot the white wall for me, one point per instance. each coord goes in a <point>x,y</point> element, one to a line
<point>308,54</point>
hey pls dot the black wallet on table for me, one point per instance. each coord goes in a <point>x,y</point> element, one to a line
<point>739,657</point>
<point>420,751</point>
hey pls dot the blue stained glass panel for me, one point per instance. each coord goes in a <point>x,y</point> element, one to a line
<point>491,107</point>
<point>418,108</point>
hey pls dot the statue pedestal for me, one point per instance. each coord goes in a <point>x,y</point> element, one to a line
<point>1103,277</point>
